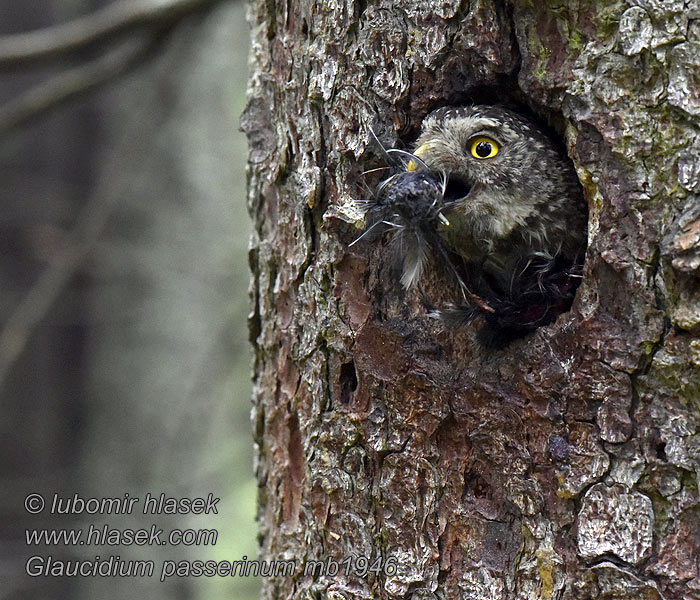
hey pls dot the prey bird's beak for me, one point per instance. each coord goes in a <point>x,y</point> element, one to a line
<point>419,153</point>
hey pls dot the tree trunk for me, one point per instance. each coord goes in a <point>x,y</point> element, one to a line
<point>563,466</point>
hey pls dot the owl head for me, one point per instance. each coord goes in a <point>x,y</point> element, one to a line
<point>490,147</point>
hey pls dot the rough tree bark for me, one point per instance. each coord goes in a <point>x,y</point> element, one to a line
<point>567,464</point>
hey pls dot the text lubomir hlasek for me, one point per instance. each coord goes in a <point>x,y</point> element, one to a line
<point>152,505</point>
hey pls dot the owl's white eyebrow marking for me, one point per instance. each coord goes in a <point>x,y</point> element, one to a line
<point>483,122</point>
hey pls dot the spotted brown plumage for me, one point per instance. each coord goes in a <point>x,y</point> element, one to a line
<point>525,199</point>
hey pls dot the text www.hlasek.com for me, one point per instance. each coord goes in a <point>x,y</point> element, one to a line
<point>106,536</point>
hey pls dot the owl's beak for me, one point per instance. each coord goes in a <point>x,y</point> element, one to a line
<point>456,188</point>
<point>420,152</point>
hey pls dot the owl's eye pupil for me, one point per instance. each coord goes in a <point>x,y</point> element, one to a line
<point>483,149</point>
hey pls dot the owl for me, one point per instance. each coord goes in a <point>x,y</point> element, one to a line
<point>507,217</point>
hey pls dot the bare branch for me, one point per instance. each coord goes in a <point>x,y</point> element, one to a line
<point>100,27</point>
<point>38,301</point>
<point>70,84</point>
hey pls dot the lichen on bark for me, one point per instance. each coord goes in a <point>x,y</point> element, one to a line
<point>486,474</point>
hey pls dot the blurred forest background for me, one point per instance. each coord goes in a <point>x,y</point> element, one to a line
<point>124,363</point>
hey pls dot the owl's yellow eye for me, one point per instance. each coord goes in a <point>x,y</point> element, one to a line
<point>483,147</point>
